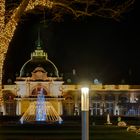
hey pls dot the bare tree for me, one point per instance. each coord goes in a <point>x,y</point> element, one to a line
<point>102,8</point>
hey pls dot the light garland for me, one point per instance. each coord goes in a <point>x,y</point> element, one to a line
<point>6,35</point>
<point>45,3</point>
<point>2,13</point>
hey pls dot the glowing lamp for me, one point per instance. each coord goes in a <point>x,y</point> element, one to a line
<point>85,99</point>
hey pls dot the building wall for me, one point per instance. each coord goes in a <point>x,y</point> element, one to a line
<point>112,99</point>
<point>24,106</point>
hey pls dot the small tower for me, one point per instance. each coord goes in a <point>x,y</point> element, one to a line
<point>39,58</point>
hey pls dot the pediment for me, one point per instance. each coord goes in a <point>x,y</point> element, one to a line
<point>39,74</point>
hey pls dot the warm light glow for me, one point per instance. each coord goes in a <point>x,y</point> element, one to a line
<point>123,87</point>
<point>97,87</point>
<point>109,87</point>
<point>85,99</point>
<point>2,12</point>
<point>44,3</point>
<point>85,90</point>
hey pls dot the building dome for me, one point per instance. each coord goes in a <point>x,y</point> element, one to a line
<point>39,58</point>
<point>43,66</point>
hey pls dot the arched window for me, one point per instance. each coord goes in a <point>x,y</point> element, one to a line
<point>37,90</point>
<point>10,103</point>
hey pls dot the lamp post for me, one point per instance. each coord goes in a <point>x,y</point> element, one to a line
<point>85,112</point>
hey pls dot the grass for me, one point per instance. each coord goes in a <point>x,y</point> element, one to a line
<point>112,133</point>
<point>64,132</point>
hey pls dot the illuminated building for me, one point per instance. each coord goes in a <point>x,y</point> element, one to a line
<point>116,99</point>
<point>41,73</point>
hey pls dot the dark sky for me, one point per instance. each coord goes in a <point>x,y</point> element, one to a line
<point>94,47</point>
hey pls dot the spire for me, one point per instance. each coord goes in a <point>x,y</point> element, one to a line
<point>38,44</point>
<point>39,52</point>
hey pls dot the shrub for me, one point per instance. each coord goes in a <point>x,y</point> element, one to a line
<point>132,128</point>
<point>122,124</point>
<point>138,131</point>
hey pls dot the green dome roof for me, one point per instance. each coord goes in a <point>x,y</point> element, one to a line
<point>31,65</point>
<point>39,58</point>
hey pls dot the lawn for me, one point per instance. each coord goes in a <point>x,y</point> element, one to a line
<point>64,132</point>
<point>111,133</point>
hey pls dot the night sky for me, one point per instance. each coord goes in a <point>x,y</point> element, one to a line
<point>95,47</point>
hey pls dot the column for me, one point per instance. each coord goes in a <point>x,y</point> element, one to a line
<point>91,105</point>
<point>76,108</point>
<point>60,108</point>
<point>116,107</point>
<point>18,107</point>
<point>27,88</point>
<point>132,97</point>
<point>102,106</point>
<point>3,109</point>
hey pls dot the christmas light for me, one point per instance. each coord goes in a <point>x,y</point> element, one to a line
<point>45,3</point>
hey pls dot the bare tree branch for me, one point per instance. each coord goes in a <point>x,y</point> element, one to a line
<point>102,8</point>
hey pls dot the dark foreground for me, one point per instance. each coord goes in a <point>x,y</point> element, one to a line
<point>65,131</point>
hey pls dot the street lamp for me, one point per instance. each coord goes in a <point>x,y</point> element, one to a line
<point>85,112</point>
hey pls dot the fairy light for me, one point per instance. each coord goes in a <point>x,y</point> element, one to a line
<point>45,3</point>
<point>6,35</point>
<point>2,12</point>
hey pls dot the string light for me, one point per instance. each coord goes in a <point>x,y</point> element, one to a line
<point>2,12</point>
<point>2,17</point>
<point>7,31</point>
<point>45,3</point>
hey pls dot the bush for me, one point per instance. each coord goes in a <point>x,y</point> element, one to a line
<point>122,124</point>
<point>138,131</point>
<point>132,128</point>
